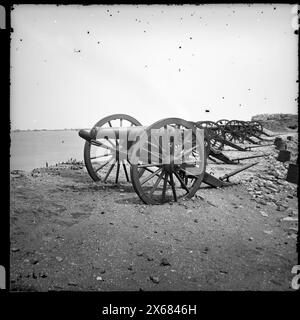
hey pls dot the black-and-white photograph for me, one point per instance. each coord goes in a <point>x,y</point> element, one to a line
<point>154,148</point>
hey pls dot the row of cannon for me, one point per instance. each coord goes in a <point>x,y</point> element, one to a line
<point>155,179</point>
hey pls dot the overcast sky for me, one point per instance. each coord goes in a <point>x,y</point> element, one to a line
<point>73,65</point>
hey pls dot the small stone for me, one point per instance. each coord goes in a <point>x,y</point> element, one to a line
<point>15,249</point>
<point>251,239</point>
<point>59,259</point>
<point>289,219</point>
<point>268,231</point>
<point>34,261</point>
<point>196,220</point>
<point>264,214</point>
<point>189,211</point>
<point>206,249</point>
<point>71,283</point>
<point>140,253</point>
<point>154,279</point>
<point>43,274</point>
<point>99,278</point>
<point>149,258</point>
<point>164,262</point>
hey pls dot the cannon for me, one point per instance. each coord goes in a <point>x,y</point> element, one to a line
<point>218,139</point>
<point>167,160</point>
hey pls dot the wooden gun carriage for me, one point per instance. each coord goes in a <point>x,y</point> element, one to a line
<point>167,159</point>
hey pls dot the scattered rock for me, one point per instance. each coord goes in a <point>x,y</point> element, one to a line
<point>289,219</point>
<point>59,259</point>
<point>264,214</point>
<point>164,262</point>
<point>140,253</point>
<point>268,231</point>
<point>99,278</point>
<point>15,249</point>
<point>43,274</point>
<point>34,261</point>
<point>71,283</point>
<point>154,279</point>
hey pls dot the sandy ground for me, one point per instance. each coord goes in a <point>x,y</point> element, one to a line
<point>70,233</point>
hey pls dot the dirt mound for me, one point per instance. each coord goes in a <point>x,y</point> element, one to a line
<point>278,121</point>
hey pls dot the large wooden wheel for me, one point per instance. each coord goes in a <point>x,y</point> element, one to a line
<point>99,155</point>
<point>222,122</point>
<point>256,127</point>
<point>235,131</point>
<point>156,181</point>
<point>214,131</point>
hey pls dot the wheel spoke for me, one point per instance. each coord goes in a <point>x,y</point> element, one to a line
<point>109,171</point>
<point>118,169</point>
<point>156,183</point>
<point>102,145</point>
<point>153,174</point>
<point>141,172</point>
<point>113,145</point>
<point>103,165</point>
<point>101,156</point>
<point>126,174</point>
<point>173,187</point>
<point>183,185</point>
<point>164,186</point>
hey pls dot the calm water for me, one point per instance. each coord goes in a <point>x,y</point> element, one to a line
<point>32,149</point>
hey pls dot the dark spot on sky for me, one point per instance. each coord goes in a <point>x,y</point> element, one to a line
<point>262,12</point>
<point>240,105</point>
<point>274,8</point>
<point>77,50</point>
<point>88,32</point>
<point>226,24</point>
<point>296,31</point>
<point>297,81</point>
<point>110,15</point>
<point>233,11</point>
<point>118,11</point>
<point>222,97</point>
<point>21,40</point>
<point>98,42</point>
<point>145,31</point>
<point>107,10</point>
<point>248,89</point>
<point>179,47</point>
<point>191,38</point>
<point>206,110</point>
<point>45,60</point>
<point>146,66</point>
